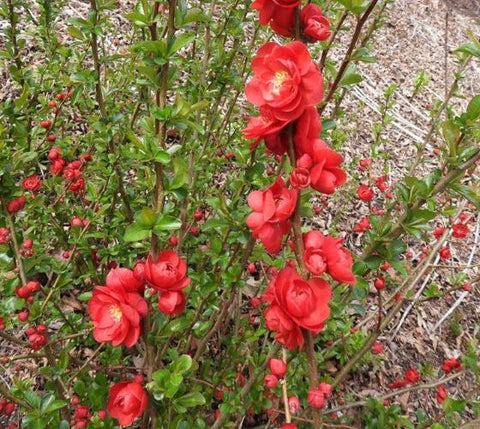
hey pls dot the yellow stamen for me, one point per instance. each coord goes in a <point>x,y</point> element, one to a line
<point>280,77</point>
<point>116,313</point>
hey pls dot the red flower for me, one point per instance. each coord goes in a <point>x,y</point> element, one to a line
<point>289,426</point>
<point>442,394</point>
<point>365,193</point>
<point>116,314</point>
<point>171,302</point>
<point>326,174</point>
<point>127,401</point>
<point>124,278</point>
<point>300,178</point>
<point>295,304</point>
<point>316,398</point>
<point>412,376</point>
<point>325,253</point>
<point>278,13</point>
<point>445,253</point>
<point>363,225</point>
<point>168,273</point>
<point>307,132</point>
<point>16,205</point>
<point>449,365</point>
<point>57,166</point>
<point>397,384</point>
<point>260,127</point>
<point>32,183</point>
<point>316,26</point>
<point>339,260</point>
<point>285,79</point>
<point>460,230</point>
<point>438,232</point>
<point>77,185</point>
<point>271,210</point>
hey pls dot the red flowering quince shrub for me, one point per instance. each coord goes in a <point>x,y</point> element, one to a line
<point>192,236</point>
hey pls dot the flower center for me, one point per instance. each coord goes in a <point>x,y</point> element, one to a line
<point>278,80</point>
<point>116,312</point>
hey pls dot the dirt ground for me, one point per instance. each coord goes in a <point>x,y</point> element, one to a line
<point>418,35</point>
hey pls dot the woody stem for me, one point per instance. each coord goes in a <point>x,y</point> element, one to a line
<point>299,253</point>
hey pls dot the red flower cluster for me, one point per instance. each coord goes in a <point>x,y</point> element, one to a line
<point>286,87</point>
<point>317,395</point>
<point>27,290</point>
<point>36,336</point>
<point>127,401</point>
<point>72,172</point>
<point>411,376</point>
<point>450,365</point>
<point>296,304</point>
<point>81,416</point>
<point>117,308</point>
<point>280,14</point>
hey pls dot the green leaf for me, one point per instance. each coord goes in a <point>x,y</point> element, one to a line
<point>191,399</point>
<point>162,157</point>
<point>473,108</point>
<point>137,19</point>
<point>75,33</point>
<point>180,174</point>
<point>350,77</point>
<point>167,223</point>
<point>54,405</point>
<point>456,405</point>
<point>146,218</point>
<point>451,134</point>
<point>182,364</point>
<point>466,192</point>
<point>355,6</point>
<point>136,232</point>
<point>180,42</point>
<point>469,48</point>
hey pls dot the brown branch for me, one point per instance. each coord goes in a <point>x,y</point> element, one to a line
<point>16,248</point>
<point>347,59</point>
<point>398,392</point>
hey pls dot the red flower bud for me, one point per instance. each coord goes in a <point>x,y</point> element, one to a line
<point>379,283</point>
<point>293,404</point>
<point>377,348</point>
<point>277,367</point>
<point>270,381</point>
